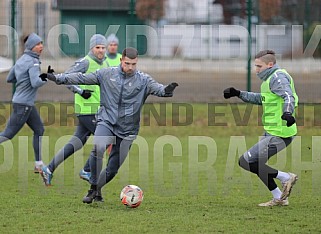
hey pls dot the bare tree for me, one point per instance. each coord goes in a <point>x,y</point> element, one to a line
<point>232,8</point>
<point>150,9</point>
<point>269,9</point>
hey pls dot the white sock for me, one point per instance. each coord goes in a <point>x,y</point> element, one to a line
<point>39,163</point>
<point>276,193</point>
<point>283,176</point>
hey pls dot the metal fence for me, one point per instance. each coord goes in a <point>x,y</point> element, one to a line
<point>212,24</point>
<point>194,38</point>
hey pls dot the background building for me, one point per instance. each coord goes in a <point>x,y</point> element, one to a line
<point>194,40</point>
<point>80,19</point>
<point>31,16</point>
<point>67,25</point>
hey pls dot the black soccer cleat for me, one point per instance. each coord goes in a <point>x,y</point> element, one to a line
<point>90,196</point>
<point>98,197</point>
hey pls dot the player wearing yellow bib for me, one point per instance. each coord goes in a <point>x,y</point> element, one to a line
<point>113,57</point>
<point>87,102</point>
<point>278,99</point>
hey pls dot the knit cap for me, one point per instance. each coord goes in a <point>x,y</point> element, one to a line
<point>97,39</point>
<point>32,41</point>
<point>112,39</point>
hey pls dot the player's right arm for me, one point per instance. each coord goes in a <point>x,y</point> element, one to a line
<point>77,78</point>
<point>11,78</point>
<point>79,66</point>
<point>250,97</point>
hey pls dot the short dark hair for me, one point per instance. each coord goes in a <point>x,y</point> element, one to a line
<point>26,38</point>
<point>130,52</point>
<point>266,56</point>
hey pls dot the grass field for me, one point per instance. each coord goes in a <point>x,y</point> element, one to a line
<point>185,160</point>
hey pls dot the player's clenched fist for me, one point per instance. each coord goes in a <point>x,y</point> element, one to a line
<point>49,76</point>
<point>169,89</point>
<point>231,92</point>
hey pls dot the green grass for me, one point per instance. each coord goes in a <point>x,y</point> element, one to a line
<point>188,188</point>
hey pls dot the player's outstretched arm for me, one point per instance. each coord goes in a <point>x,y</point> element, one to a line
<point>80,65</point>
<point>47,76</point>
<point>160,90</point>
<point>254,98</point>
<point>73,78</point>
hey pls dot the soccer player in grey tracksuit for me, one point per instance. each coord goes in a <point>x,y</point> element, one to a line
<point>87,101</point>
<point>123,91</point>
<point>278,99</point>
<point>25,75</point>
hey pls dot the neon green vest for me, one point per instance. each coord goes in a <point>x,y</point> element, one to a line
<point>89,106</point>
<point>114,62</point>
<point>273,109</point>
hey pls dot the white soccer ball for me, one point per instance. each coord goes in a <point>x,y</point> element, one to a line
<point>131,196</point>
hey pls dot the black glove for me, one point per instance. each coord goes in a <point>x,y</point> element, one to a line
<point>86,93</point>
<point>50,70</point>
<point>288,117</point>
<point>49,76</point>
<point>43,76</point>
<point>170,88</point>
<point>231,92</point>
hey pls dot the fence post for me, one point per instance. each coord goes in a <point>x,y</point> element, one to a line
<point>13,37</point>
<point>249,44</point>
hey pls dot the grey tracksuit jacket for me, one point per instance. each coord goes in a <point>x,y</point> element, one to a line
<point>121,96</point>
<point>25,74</point>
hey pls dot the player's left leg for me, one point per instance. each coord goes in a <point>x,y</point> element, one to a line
<point>88,122</point>
<point>35,123</point>
<point>255,158</point>
<point>287,179</point>
<point>117,156</point>
<point>102,139</point>
<point>16,121</point>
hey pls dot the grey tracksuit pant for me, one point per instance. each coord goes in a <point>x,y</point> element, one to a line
<point>86,127</point>
<point>255,158</point>
<point>102,139</point>
<point>24,114</point>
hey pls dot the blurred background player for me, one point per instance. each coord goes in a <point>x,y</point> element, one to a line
<point>25,75</point>
<point>113,57</point>
<point>278,99</point>
<point>87,101</point>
